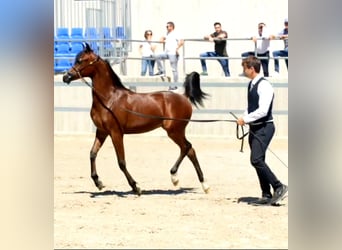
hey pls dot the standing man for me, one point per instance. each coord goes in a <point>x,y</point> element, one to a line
<point>219,38</point>
<point>285,52</point>
<point>173,43</point>
<point>262,46</point>
<point>258,116</point>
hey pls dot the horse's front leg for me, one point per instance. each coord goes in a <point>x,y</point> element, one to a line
<point>99,140</point>
<point>120,153</point>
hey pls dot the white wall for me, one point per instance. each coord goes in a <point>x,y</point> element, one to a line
<point>195,18</point>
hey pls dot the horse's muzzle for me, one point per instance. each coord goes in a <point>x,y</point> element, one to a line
<point>67,77</point>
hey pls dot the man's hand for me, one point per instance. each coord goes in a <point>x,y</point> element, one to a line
<point>240,121</point>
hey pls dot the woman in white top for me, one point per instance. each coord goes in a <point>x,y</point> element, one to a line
<point>147,50</point>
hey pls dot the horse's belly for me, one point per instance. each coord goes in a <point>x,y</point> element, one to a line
<point>141,128</point>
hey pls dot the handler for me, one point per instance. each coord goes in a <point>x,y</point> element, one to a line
<point>258,116</point>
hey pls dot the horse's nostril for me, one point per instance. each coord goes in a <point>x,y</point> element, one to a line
<point>67,77</point>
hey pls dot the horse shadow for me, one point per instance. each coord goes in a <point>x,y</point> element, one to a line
<point>124,194</point>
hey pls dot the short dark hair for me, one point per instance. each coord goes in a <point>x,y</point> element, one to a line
<point>171,23</point>
<point>261,24</point>
<point>146,32</point>
<point>252,61</point>
<point>217,23</point>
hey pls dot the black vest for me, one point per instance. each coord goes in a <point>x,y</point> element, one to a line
<point>253,101</point>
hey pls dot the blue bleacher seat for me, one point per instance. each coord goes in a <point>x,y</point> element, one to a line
<point>62,33</point>
<point>63,50</point>
<point>108,48</point>
<point>62,65</point>
<point>76,34</point>
<point>75,49</point>
<point>120,32</point>
<point>91,33</point>
<point>55,45</point>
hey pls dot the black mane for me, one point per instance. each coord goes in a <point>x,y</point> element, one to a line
<point>115,77</point>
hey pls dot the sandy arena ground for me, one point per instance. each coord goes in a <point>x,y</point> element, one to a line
<point>165,216</point>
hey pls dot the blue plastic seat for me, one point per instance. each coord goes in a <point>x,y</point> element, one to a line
<point>76,33</point>
<point>120,32</point>
<point>63,50</point>
<point>62,65</point>
<point>91,33</point>
<point>76,36</point>
<point>55,45</point>
<point>75,49</point>
<point>62,33</point>
<point>106,31</point>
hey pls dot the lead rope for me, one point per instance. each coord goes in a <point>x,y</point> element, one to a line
<point>243,136</point>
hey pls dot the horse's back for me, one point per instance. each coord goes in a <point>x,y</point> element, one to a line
<point>168,103</point>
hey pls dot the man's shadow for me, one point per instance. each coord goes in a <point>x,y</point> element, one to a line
<point>251,201</point>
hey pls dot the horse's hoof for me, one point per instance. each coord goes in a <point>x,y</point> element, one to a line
<point>138,191</point>
<point>174,179</point>
<point>100,186</point>
<point>205,187</point>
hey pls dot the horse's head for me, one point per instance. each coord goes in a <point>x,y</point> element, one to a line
<point>82,66</point>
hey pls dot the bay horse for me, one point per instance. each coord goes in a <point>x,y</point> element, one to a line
<point>115,111</point>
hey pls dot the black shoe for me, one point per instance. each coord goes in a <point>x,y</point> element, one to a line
<point>159,73</point>
<point>266,195</point>
<point>172,87</point>
<point>279,194</point>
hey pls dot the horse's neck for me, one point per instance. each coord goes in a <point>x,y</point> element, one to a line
<point>102,80</point>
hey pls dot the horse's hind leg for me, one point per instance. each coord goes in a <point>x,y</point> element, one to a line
<point>186,149</point>
<point>183,150</point>
<point>193,158</point>
<point>99,140</point>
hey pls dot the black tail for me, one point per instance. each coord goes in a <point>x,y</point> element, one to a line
<point>193,89</point>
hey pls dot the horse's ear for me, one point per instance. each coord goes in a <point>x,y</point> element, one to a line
<point>86,47</point>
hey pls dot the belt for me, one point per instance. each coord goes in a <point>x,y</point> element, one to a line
<point>259,123</point>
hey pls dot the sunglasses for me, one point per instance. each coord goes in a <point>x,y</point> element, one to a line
<point>149,34</point>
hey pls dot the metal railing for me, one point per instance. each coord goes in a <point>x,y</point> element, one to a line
<point>118,54</point>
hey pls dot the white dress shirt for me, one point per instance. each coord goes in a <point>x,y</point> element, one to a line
<point>263,45</point>
<point>265,92</point>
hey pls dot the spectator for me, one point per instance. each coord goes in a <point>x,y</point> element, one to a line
<point>219,38</point>
<point>262,46</point>
<point>147,51</point>
<point>172,42</point>
<point>258,115</point>
<point>285,52</point>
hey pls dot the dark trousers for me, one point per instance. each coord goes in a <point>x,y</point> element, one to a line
<point>224,62</point>
<point>264,62</point>
<point>259,138</point>
<point>280,53</point>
